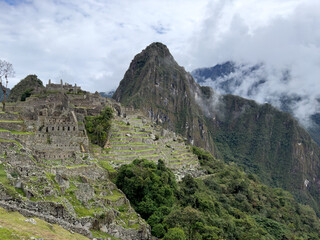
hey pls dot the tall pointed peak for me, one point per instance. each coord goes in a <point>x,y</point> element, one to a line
<point>158,48</point>
<point>154,53</point>
<point>152,70</point>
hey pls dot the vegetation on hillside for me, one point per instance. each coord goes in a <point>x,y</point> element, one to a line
<point>225,204</point>
<point>25,88</point>
<point>99,126</point>
<point>150,188</point>
<point>268,143</point>
<point>257,137</point>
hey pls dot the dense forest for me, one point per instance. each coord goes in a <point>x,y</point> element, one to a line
<point>224,204</point>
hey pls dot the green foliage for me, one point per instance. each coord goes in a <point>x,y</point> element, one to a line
<point>25,88</point>
<point>263,141</point>
<point>150,188</point>
<point>26,94</point>
<point>206,159</point>
<point>99,126</point>
<point>175,234</point>
<point>226,204</point>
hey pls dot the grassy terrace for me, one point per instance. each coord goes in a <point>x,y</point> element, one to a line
<point>136,144</point>
<point>11,121</point>
<point>5,181</point>
<point>16,132</point>
<point>14,226</point>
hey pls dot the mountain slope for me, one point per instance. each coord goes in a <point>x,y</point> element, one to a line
<point>226,204</point>
<point>156,84</point>
<point>257,83</point>
<point>259,138</point>
<point>15,226</point>
<point>25,88</point>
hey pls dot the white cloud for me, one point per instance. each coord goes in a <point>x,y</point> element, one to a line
<point>92,42</point>
<point>89,42</point>
<point>283,35</point>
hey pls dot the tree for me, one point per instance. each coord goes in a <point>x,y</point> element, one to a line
<point>175,234</point>
<point>6,70</point>
<point>99,126</point>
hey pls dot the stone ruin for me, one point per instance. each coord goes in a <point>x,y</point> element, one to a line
<point>55,121</point>
<point>62,87</point>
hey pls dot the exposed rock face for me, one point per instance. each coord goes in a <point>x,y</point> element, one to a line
<point>156,84</point>
<point>260,138</point>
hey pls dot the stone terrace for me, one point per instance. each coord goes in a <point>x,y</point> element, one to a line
<point>134,137</point>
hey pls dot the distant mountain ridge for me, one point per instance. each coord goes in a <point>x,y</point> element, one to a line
<point>260,138</point>
<point>107,94</point>
<point>250,81</point>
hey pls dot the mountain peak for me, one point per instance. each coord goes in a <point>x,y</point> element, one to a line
<point>158,48</point>
<point>157,85</point>
<point>157,53</point>
<point>152,70</point>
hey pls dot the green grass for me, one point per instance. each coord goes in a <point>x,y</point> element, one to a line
<point>123,125</point>
<point>151,155</point>
<point>130,145</point>
<point>116,195</point>
<point>21,133</point>
<point>146,150</point>
<point>107,154</point>
<point>121,122</point>
<point>5,182</point>
<point>76,166</point>
<point>122,150</point>
<point>15,113</point>
<point>129,137</point>
<point>133,155</point>
<point>182,154</point>
<point>107,166</point>
<point>14,226</point>
<point>16,132</point>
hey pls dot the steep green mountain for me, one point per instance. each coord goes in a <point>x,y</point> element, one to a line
<point>259,138</point>
<point>25,88</point>
<point>254,82</point>
<point>156,84</point>
<point>271,144</point>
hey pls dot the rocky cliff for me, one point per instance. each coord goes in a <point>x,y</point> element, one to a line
<point>157,85</point>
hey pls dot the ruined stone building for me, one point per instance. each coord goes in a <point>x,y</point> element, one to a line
<point>54,121</point>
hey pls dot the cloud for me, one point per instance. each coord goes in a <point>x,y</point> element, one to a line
<point>92,42</point>
<point>285,39</point>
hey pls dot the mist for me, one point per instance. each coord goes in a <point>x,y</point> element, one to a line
<point>286,46</point>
